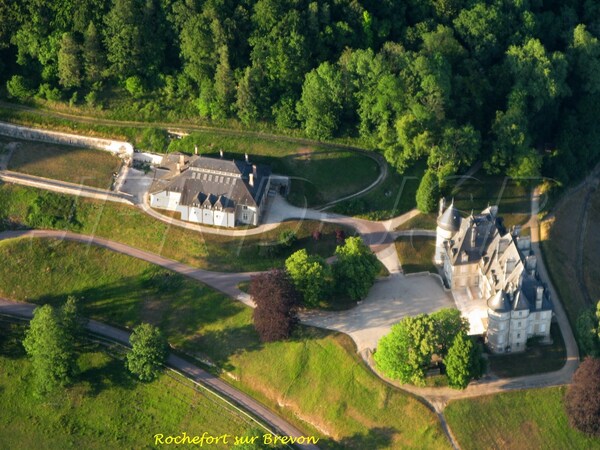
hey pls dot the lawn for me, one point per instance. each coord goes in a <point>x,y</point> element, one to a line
<point>416,254</point>
<point>315,379</point>
<point>61,162</point>
<point>104,408</point>
<point>483,190</point>
<point>319,173</point>
<point>537,359</point>
<point>130,225</point>
<point>420,222</point>
<point>519,420</point>
<point>393,197</point>
<point>560,252</point>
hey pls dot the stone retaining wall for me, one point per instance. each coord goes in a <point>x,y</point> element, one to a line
<point>119,148</point>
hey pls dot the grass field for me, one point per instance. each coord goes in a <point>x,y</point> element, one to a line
<point>130,225</point>
<point>420,222</point>
<point>315,379</point>
<point>519,420</point>
<point>560,250</point>
<point>416,254</point>
<point>537,359</point>
<point>393,197</point>
<point>483,190</point>
<point>104,408</point>
<point>61,162</point>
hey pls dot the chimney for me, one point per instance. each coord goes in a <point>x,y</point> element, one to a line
<point>182,160</point>
<point>221,153</point>
<point>539,295</point>
<point>178,167</point>
<point>442,206</point>
<point>510,265</point>
<point>195,149</point>
<point>251,179</point>
<point>247,158</point>
<point>473,235</point>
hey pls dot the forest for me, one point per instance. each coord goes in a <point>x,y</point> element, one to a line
<point>513,83</point>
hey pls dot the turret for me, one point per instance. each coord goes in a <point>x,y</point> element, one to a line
<point>448,223</point>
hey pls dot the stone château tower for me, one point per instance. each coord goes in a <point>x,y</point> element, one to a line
<point>448,223</point>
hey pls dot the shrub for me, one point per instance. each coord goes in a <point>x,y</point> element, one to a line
<point>18,87</point>
<point>311,276</point>
<point>428,192</point>
<point>52,211</point>
<point>287,238</point>
<point>155,139</point>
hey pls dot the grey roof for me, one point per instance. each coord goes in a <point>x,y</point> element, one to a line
<point>520,303</point>
<point>224,183</point>
<point>499,302</point>
<point>450,219</point>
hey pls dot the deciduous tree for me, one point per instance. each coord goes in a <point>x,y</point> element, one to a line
<point>404,353</point>
<point>149,350</point>
<point>311,276</point>
<point>582,400</point>
<point>50,348</point>
<point>276,301</point>
<point>355,269</point>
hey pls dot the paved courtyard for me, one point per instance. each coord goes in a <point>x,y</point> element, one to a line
<point>389,300</point>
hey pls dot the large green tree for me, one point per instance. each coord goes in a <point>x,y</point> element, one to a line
<point>355,269</point>
<point>311,276</point>
<point>69,62</point>
<point>461,363</point>
<point>149,350</point>
<point>320,106</point>
<point>50,347</point>
<point>404,354</point>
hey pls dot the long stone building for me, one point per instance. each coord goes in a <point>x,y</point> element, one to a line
<point>211,191</point>
<point>490,264</point>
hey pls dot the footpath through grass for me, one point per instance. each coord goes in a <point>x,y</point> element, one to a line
<point>130,225</point>
<point>315,379</point>
<point>520,420</point>
<point>61,162</point>
<point>104,408</point>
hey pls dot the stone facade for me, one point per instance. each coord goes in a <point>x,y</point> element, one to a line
<point>211,191</point>
<point>479,257</point>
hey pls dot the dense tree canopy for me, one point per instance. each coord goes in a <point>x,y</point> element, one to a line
<point>513,84</point>
<point>311,276</point>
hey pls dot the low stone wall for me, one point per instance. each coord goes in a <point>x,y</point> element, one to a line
<point>119,148</point>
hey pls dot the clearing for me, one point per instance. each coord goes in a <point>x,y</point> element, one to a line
<point>85,166</point>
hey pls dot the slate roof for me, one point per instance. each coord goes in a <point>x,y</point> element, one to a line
<point>450,219</point>
<point>222,183</point>
<point>499,302</point>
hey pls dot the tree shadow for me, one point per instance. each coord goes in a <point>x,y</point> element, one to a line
<point>380,437</point>
<point>111,374</point>
<point>222,345</point>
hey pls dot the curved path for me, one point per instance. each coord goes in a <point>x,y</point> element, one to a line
<point>224,282</point>
<point>191,371</point>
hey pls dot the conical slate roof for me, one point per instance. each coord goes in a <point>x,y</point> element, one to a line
<point>521,302</point>
<point>450,219</point>
<point>499,302</point>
